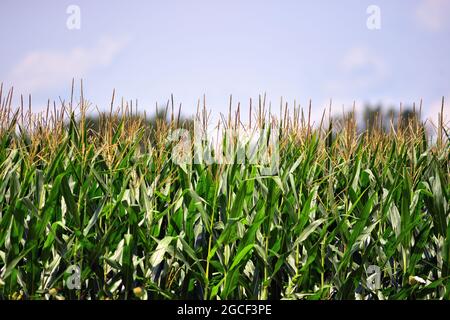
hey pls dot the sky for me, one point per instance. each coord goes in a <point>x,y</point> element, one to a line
<point>377,51</point>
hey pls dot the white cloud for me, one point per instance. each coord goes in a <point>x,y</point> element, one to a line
<point>359,69</point>
<point>40,70</point>
<point>433,14</point>
<point>431,111</point>
<point>362,60</point>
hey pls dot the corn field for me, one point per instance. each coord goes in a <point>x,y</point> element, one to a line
<point>111,203</point>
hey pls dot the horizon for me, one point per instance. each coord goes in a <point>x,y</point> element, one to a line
<point>296,50</point>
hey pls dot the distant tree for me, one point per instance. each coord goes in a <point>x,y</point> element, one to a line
<point>95,124</point>
<point>408,116</point>
<point>376,118</point>
<point>373,117</point>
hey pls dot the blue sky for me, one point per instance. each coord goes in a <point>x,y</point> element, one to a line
<point>300,50</point>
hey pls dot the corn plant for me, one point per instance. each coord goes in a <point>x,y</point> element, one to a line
<point>111,203</point>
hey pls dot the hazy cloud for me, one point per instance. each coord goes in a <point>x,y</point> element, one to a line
<point>359,68</point>
<point>431,111</point>
<point>40,70</point>
<point>433,14</point>
<point>362,61</point>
